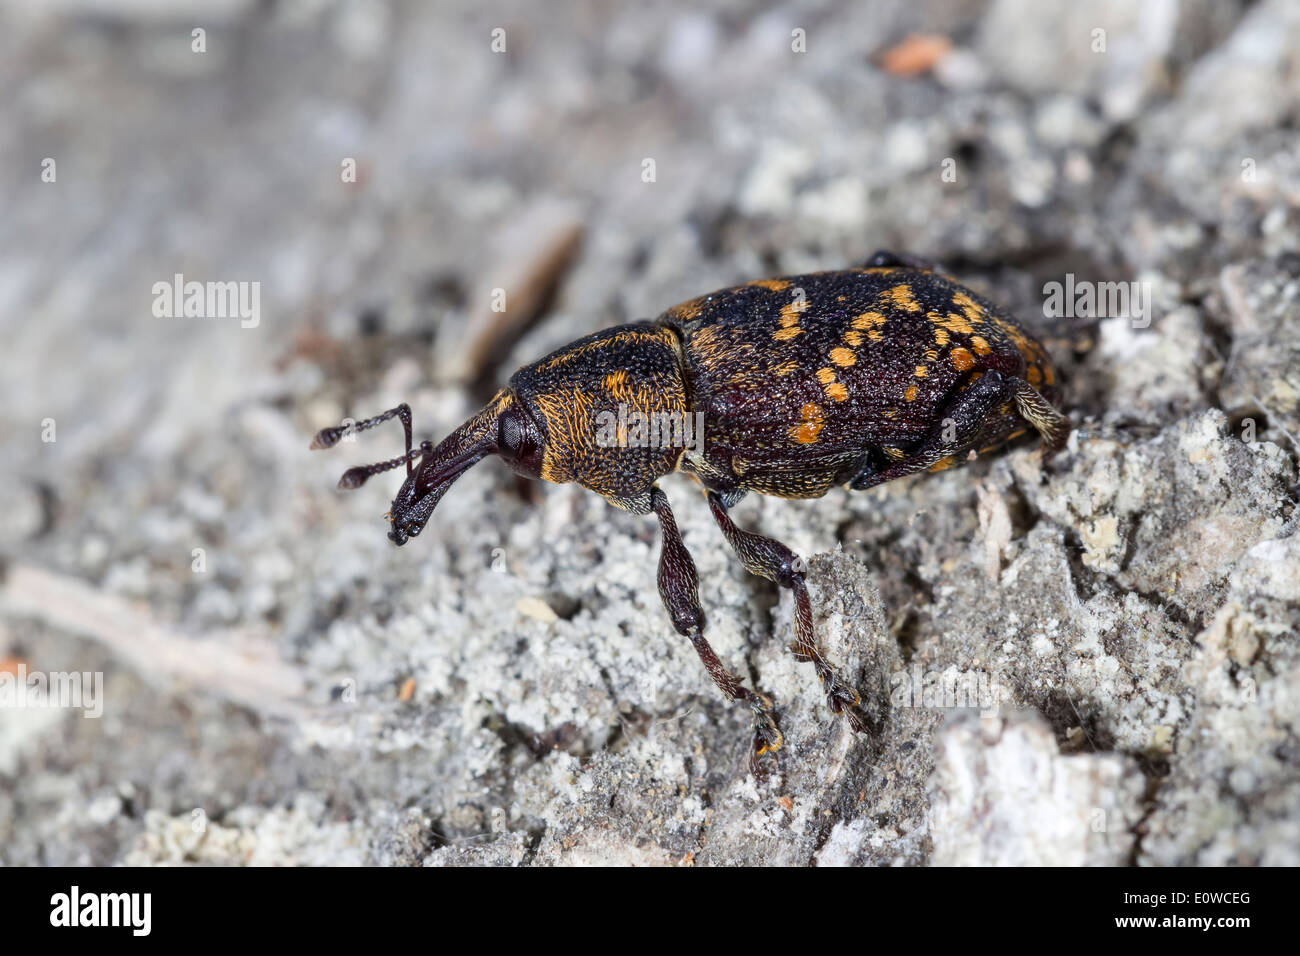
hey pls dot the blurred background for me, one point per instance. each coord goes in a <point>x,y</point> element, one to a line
<point>282,685</point>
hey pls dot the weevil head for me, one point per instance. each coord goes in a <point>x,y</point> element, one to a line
<point>502,427</point>
<point>575,415</point>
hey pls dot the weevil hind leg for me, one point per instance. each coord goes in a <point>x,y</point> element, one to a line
<point>769,558</point>
<point>1052,425</point>
<point>959,426</point>
<point>954,432</point>
<point>679,589</point>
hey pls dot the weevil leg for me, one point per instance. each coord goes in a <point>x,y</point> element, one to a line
<point>771,559</point>
<point>679,588</point>
<point>958,427</point>
<point>954,432</point>
<point>1052,425</point>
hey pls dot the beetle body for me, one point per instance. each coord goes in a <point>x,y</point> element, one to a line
<point>800,384</point>
<point>784,387</point>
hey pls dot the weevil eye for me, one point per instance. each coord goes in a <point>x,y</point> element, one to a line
<point>519,442</point>
<point>510,436</point>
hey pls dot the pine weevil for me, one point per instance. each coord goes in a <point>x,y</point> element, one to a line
<point>850,378</point>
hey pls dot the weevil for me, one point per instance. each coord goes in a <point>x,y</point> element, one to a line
<point>799,384</point>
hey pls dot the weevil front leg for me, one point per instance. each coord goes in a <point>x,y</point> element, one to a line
<point>771,559</point>
<point>679,588</point>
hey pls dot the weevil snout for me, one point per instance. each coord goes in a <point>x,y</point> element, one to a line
<point>407,516</point>
<point>501,427</point>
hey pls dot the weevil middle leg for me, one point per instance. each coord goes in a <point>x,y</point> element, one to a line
<point>679,589</point>
<point>769,558</point>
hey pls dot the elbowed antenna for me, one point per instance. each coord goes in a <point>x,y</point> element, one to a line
<point>439,467</point>
<point>356,477</point>
<point>329,437</point>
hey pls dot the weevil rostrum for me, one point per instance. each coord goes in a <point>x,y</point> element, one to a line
<point>851,378</point>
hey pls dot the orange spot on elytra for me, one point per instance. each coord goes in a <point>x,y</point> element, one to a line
<point>870,322</point>
<point>772,285</point>
<point>853,337</point>
<point>825,375</point>
<point>785,335</point>
<point>843,357</point>
<point>785,368</point>
<point>962,360</point>
<point>1033,375</point>
<point>958,324</point>
<point>973,311</point>
<point>943,463</point>
<point>922,371</point>
<point>837,392</point>
<point>980,346</point>
<point>810,426</point>
<point>901,296</point>
<point>910,394</point>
